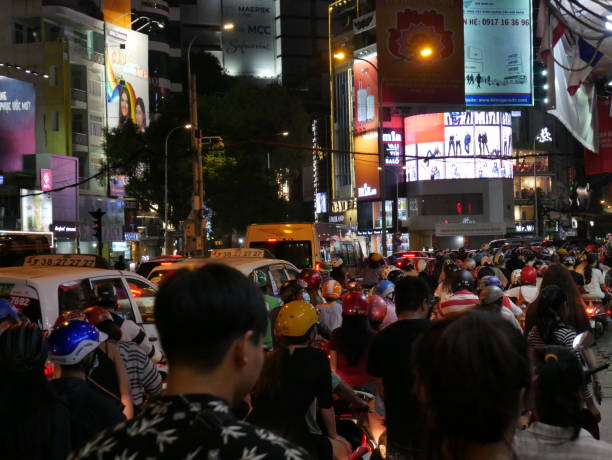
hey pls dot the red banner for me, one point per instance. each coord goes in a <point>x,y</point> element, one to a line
<point>420,51</point>
<point>601,162</point>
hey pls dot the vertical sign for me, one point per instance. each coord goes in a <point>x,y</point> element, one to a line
<point>366,93</point>
<point>367,176</point>
<point>420,51</point>
<point>498,52</point>
<point>46,180</point>
<point>249,48</point>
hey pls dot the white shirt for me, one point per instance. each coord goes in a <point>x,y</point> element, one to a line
<point>593,289</point>
<point>541,441</point>
<point>528,292</point>
<point>330,315</point>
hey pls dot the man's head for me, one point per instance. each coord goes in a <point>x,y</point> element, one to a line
<point>492,297</point>
<point>412,294</point>
<point>462,280</point>
<point>106,296</point>
<point>73,343</point>
<point>212,318</point>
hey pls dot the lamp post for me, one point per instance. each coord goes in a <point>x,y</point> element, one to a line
<point>166,242</point>
<point>197,199</point>
<point>340,56</point>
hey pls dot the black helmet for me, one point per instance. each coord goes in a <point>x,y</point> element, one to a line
<point>22,348</point>
<point>491,295</point>
<point>395,275</point>
<point>462,279</point>
<point>450,268</point>
<point>106,295</point>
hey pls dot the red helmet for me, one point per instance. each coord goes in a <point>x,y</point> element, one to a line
<point>528,275</point>
<point>378,308</point>
<point>311,277</point>
<point>69,315</point>
<point>543,269</point>
<point>355,304</point>
<point>96,315</point>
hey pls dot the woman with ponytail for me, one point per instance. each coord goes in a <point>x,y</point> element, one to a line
<point>558,402</point>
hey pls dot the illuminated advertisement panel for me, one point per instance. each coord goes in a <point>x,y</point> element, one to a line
<point>366,94</point>
<point>498,44</point>
<point>127,77</point>
<point>367,176</point>
<point>458,145</point>
<point>17,123</point>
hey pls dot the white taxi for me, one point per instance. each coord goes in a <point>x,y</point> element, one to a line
<point>48,285</point>
<point>246,261</point>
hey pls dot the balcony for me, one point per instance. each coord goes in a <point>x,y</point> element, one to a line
<point>79,98</point>
<point>80,142</point>
<point>80,49</point>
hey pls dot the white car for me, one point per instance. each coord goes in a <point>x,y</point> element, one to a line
<point>244,260</point>
<point>42,293</point>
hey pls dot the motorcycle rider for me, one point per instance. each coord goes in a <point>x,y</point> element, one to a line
<point>72,346</point>
<point>261,281</point>
<point>492,300</point>
<point>527,292</point>
<point>386,290</point>
<point>293,376</point>
<point>462,297</point>
<point>106,295</point>
<point>330,312</point>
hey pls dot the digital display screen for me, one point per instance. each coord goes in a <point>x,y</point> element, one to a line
<point>458,145</point>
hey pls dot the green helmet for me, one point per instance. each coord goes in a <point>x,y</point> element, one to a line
<point>260,278</point>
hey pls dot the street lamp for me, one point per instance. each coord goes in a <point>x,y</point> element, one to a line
<point>340,56</point>
<point>166,242</point>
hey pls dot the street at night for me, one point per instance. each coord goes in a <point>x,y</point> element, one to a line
<point>306,229</point>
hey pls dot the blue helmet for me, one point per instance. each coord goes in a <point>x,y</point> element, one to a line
<point>7,311</point>
<point>73,341</point>
<point>384,288</point>
<point>491,281</point>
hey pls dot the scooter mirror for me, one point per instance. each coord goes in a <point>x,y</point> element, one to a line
<point>583,340</point>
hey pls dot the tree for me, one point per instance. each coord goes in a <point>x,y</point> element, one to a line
<point>243,178</point>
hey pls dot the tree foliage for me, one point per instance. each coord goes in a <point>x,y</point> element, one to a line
<point>241,179</point>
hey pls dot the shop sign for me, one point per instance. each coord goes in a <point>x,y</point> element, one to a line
<point>64,230</point>
<point>339,206</point>
<point>131,236</point>
<point>46,180</point>
<point>393,145</point>
<point>480,229</point>
<point>336,219</point>
<point>366,191</point>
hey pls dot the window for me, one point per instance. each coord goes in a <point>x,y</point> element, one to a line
<point>18,33</point>
<point>279,275</point>
<point>296,252</point>
<point>55,120</point>
<point>441,205</point>
<point>124,306</point>
<point>75,295</point>
<point>291,273</point>
<point>53,75</point>
<point>24,299</point>
<point>144,295</point>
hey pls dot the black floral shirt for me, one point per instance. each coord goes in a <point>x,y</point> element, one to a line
<point>188,427</point>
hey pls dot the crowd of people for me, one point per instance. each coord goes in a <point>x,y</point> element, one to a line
<point>467,355</point>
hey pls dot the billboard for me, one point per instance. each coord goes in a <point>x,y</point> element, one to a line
<point>36,211</point>
<point>127,77</point>
<point>367,176</point>
<point>249,49</point>
<point>366,93</point>
<point>498,52</point>
<point>458,145</point>
<point>17,123</point>
<point>420,51</point>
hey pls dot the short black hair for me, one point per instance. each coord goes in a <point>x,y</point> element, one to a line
<point>485,271</point>
<point>410,292</point>
<point>200,313</point>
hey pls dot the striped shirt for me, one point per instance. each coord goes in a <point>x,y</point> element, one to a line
<point>542,441</point>
<point>143,375</point>
<point>458,302</point>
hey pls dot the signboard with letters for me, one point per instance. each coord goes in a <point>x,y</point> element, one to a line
<point>476,229</point>
<point>237,252</point>
<point>17,122</point>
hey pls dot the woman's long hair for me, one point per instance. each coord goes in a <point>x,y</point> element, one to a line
<point>551,307</point>
<point>353,338</point>
<point>557,387</point>
<point>588,270</point>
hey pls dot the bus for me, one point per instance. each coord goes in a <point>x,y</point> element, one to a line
<point>307,244</point>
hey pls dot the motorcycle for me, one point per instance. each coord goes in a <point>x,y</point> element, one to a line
<point>598,317</point>
<point>355,428</point>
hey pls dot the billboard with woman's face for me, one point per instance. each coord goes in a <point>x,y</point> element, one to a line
<point>127,77</point>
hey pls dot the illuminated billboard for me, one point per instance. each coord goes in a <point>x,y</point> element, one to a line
<point>366,93</point>
<point>249,48</point>
<point>498,52</point>
<point>458,145</point>
<point>367,175</point>
<point>17,123</point>
<point>127,77</point>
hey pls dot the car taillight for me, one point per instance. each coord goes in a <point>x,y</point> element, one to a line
<point>49,369</point>
<point>165,264</point>
<point>318,266</point>
<point>590,310</point>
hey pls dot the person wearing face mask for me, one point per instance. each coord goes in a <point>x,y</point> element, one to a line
<point>72,346</point>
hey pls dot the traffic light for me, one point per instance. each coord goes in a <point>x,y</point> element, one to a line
<point>97,227</point>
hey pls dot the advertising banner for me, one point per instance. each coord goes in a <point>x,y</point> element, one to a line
<point>17,123</point>
<point>476,229</point>
<point>366,94</point>
<point>458,145</point>
<point>420,51</point>
<point>601,162</point>
<point>367,176</point>
<point>46,180</point>
<point>127,77</point>
<point>498,52</point>
<point>36,211</point>
<point>250,47</point>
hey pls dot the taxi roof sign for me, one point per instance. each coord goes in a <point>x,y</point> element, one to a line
<point>65,260</point>
<point>237,252</point>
